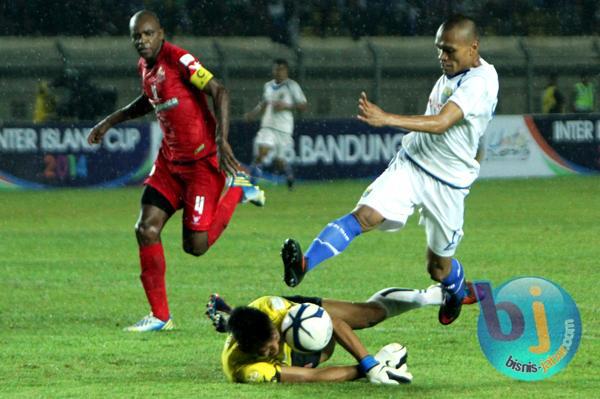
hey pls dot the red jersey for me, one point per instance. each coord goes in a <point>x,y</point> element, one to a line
<point>187,123</point>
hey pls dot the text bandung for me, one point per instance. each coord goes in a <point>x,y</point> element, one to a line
<point>348,148</point>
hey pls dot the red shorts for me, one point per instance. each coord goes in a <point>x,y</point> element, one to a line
<point>196,187</point>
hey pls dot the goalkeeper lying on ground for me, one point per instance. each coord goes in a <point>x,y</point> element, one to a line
<point>255,350</point>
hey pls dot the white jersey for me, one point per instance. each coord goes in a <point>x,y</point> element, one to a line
<point>450,157</point>
<point>288,92</point>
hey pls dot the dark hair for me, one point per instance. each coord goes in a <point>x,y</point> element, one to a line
<point>250,327</point>
<point>281,61</point>
<point>461,21</point>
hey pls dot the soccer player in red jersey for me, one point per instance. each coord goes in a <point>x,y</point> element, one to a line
<point>193,161</point>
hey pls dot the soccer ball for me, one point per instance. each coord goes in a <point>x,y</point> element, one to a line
<point>307,328</point>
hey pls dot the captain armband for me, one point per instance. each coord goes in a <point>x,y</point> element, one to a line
<point>201,77</point>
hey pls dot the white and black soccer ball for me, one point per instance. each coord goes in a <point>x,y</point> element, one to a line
<point>307,328</point>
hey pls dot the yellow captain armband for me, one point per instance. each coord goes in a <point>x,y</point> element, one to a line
<point>201,77</point>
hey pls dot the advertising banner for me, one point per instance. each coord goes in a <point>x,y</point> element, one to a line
<point>330,149</point>
<point>514,146</point>
<point>46,156</point>
<point>571,143</point>
<point>509,150</point>
<point>58,155</point>
<point>542,145</point>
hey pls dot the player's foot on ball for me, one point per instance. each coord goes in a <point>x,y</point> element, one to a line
<point>217,310</point>
<point>294,264</point>
<point>252,193</point>
<point>470,296</point>
<point>450,307</point>
<point>151,323</point>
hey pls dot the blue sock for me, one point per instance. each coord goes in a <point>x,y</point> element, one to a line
<point>334,238</point>
<point>455,282</point>
<point>255,172</point>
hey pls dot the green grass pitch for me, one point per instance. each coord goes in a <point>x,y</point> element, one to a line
<point>69,284</point>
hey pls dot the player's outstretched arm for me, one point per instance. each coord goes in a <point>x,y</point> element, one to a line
<point>301,107</point>
<point>370,113</point>
<point>227,161</point>
<point>283,106</point>
<point>323,374</point>
<point>256,112</point>
<point>138,107</point>
<point>348,339</point>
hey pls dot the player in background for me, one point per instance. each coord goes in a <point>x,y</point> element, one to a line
<point>192,163</point>
<point>432,172</point>
<point>255,350</point>
<point>281,97</point>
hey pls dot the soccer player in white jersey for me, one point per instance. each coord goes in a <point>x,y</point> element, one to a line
<point>432,172</point>
<point>281,97</point>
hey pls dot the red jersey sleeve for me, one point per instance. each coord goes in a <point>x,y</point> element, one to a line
<point>192,70</point>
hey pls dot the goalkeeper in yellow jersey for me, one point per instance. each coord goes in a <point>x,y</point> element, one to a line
<point>255,350</point>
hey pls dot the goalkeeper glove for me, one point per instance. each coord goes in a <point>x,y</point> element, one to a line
<point>382,374</point>
<point>393,355</point>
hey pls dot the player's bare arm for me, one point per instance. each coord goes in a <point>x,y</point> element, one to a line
<point>255,112</point>
<point>137,108</point>
<point>343,335</point>
<point>449,115</point>
<point>283,106</point>
<point>323,374</point>
<point>227,161</point>
<point>301,107</point>
<point>377,373</point>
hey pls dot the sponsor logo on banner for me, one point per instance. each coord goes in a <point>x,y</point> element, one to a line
<point>507,144</point>
<point>510,150</point>
<point>60,155</point>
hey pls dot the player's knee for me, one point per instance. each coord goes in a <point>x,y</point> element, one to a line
<point>147,233</point>
<point>195,249</point>
<point>367,218</point>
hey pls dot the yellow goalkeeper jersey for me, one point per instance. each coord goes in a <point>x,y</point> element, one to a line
<point>243,367</point>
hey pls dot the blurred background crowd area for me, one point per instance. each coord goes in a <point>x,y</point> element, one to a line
<point>72,60</point>
<point>284,20</point>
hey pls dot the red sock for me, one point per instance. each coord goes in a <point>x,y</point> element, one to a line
<point>227,205</point>
<point>152,260</point>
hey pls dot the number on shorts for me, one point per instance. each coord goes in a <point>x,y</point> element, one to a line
<point>199,205</point>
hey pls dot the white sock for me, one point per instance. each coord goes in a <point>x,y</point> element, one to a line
<point>396,301</point>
